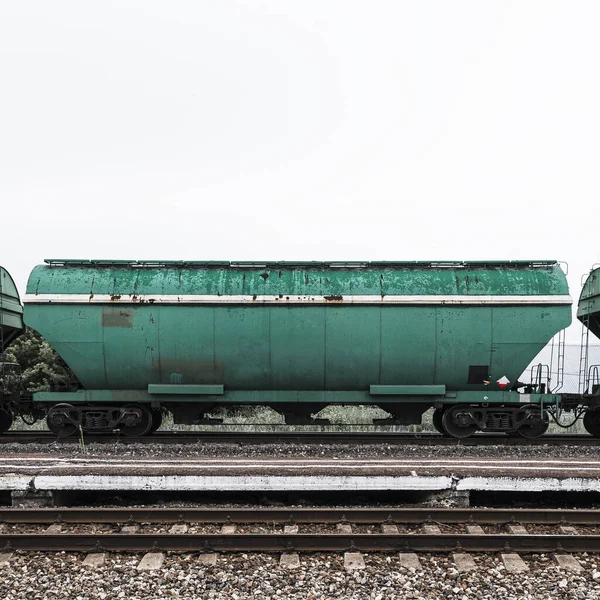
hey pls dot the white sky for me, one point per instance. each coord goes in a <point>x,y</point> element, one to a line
<point>315,130</point>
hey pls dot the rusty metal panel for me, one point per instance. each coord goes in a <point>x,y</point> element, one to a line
<point>117,316</point>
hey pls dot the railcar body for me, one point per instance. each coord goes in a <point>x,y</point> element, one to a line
<point>588,312</point>
<point>11,311</point>
<point>11,326</point>
<point>144,336</point>
<point>588,308</point>
<point>296,327</point>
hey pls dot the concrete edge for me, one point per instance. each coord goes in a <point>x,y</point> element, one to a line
<point>294,483</point>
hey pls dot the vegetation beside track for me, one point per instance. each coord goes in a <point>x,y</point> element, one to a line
<point>41,368</point>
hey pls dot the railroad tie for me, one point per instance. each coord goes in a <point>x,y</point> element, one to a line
<point>568,530</point>
<point>389,529</point>
<point>432,530</point>
<point>5,558</point>
<point>151,561</point>
<point>289,560</point>
<point>568,562</point>
<point>353,561</point>
<point>94,560</point>
<point>513,563</point>
<point>409,560</point>
<point>228,529</point>
<point>464,562</point>
<point>518,530</point>
<point>130,529</point>
<point>53,529</point>
<point>178,529</point>
<point>344,528</point>
<point>475,530</point>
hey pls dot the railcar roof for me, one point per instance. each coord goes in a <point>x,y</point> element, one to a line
<point>441,264</point>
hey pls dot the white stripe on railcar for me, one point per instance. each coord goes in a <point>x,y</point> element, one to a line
<point>295,299</point>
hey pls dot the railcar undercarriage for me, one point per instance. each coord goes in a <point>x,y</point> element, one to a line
<point>459,419</point>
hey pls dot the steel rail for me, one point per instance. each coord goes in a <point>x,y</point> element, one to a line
<point>296,437</point>
<point>301,515</point>
<point>279,542</point>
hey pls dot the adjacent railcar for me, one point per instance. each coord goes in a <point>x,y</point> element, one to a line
<point>588,312</point>
<point>588,308</point>
<point>11,311</point>
<point>11,326</point>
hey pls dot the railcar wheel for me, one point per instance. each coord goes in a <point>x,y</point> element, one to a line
<point>535,427</point>
<point>137,421</point>
<point>6,420</point>
<point>591,422</point>
<point>438,415</point>
<point>157,417</point>
<point>58,422</point>
<point>457,422</point>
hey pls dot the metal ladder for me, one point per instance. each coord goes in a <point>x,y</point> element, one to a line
<point>584,352</point>
<point>560,358</point>
<point>540,377</point>
<point>594,379</point>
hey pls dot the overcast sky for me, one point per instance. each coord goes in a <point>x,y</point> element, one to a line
<point>319,130</point>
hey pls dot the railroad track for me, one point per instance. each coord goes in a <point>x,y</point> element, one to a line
<point>208,530</point>
<point>245,437</point>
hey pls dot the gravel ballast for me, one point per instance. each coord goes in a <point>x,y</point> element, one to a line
<point>289,450</point>
<point>319,577</point>
<point>54,576</point>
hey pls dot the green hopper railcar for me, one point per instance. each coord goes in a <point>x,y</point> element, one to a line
<point>144,337</point>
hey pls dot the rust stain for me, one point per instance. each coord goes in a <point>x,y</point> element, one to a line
<point>115,317</point>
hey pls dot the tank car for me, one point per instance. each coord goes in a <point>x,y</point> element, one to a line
<point>145,337</point>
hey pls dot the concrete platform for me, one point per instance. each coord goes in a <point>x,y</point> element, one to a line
<point>79,473</point>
